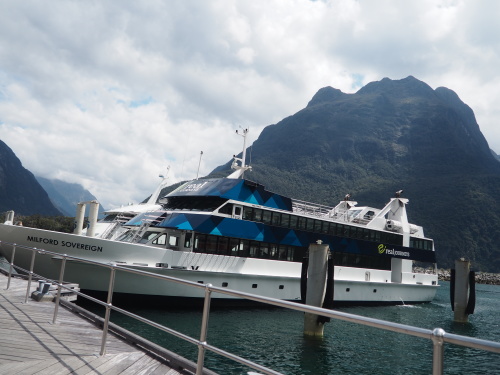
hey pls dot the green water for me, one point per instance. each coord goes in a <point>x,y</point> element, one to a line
<point>273,337</point>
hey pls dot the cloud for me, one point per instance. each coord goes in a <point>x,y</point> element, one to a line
<point>108,94</point>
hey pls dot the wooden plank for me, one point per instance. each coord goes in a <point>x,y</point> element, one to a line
<point>119,363</point>
<point>144,366</point>
<point>31,344</point>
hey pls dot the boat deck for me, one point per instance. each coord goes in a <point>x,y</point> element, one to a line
<point>31,344</point>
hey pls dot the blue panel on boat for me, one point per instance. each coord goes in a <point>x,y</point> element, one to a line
<point>240,229</point>
<point>291,239</point>
<point>236,189</point>
<point>216,232</point>
<point>185,226</point>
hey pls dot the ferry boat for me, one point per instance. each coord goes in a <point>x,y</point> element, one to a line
<point>232,232</point>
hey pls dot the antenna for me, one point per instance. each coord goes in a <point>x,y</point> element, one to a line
<point>199,163</point>
<point>240,169</point>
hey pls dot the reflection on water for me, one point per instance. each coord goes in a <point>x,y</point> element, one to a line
<point>273,337</point>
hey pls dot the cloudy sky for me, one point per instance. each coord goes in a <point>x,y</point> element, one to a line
<point>109,93</point>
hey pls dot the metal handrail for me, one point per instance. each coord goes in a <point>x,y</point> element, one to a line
<point>438,336</point>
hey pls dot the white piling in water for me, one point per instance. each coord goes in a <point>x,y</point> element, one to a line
<point>93,213</point>
<point>316,287</point>
<point>461,291</point>
<point>80,217</point>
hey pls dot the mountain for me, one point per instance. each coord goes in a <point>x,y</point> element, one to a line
<point>495,155</point>
<point>19,189</point>
<point>65,196</point>
<point>391,135</point>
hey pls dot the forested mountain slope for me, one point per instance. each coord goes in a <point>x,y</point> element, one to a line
<point>391,135</point>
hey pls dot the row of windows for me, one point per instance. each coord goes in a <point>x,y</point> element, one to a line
<point>315,225</point>
<point>419,243</point>
<point>210,244</point>
<point>206,243</point>
<point>362,261</point>
<point>192,203</point>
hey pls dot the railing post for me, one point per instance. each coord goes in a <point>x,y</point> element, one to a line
<point>59,289</point>
<point>33,253</point>
<point>204,329</point>
<point>438,352</point>
<point>11,268</point>
<point>108,309</point>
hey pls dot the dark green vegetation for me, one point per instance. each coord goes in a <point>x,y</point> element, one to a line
<point>388,136</point>
<point>56,223</point>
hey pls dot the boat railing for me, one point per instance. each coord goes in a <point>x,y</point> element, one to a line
<point>311,209</point>
<point>438,336</point>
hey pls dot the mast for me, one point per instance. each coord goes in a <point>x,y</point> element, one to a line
<point>199,163</point>
<point>241,167</point>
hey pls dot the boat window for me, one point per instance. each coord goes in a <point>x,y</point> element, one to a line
<point>351,214</point>
<point>223,246</point>
<point>190,203</point>
<point>127,236</point>
<point>318,224</point>
<point>293,221</point>
<point>366,234</point>
<point>301,222</point>
<point>187,240</point>
<point>234,244</point>
<point>248,213</point>
<point>109,218</point>
<point>254,249</point>
<point>310,225</point>
<point>332,228</point>
<point>264,250</point>
<point>148,236</point>
<point>285,220</point>
<point>276,219</point>
<point>352,232</point>
<point>244,248</point>
<point>160,240</point>
<point>211,245</point>
<point>282,252</point>
<point>273,251</point>
<point>227,209</point>
<point>266,217</point>
<point>257,214</point>
<point>173,241</point>
<point>200,242</point>
<point>369,215</point>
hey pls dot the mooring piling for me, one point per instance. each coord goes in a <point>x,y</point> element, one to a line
<point>462,291</point>
<point>316,287</point>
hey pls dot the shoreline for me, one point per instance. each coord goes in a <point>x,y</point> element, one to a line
<point>481,277</point>
<point>445,275</point>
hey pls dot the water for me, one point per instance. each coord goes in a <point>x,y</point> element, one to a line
<point>273,337</point>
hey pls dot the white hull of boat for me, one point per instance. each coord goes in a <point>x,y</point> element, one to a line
<point>270,278</point>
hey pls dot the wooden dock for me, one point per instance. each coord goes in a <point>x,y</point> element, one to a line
<point>31,344</point>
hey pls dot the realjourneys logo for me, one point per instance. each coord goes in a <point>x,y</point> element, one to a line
<point>74,245</point>
<point>383,249</point>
